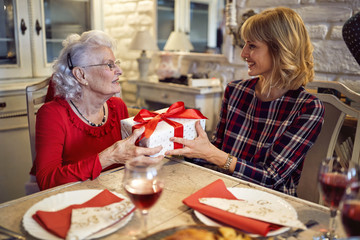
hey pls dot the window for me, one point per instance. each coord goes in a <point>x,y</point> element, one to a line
<point>165,21</point>
<point>199,15</point>
<point>189,16</point>
<point>61,19</point>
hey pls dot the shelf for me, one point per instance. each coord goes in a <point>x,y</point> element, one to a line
<point>56,40</point>
<point>205,57</point>
<point>7,40</point>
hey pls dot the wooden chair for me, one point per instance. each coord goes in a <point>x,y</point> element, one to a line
<point>336,88</point>
<point>35,97</point>
<point>335,113</point>
<point>343,146</point>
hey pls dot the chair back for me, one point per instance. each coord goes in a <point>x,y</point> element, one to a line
<point>35,97</point>
<point>335,113</point>
<point>337,89</point>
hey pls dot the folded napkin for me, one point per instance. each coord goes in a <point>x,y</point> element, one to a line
<point>58,222</point>
<point>87,221</point>
<point>261,209</point>
<point>218,189</point>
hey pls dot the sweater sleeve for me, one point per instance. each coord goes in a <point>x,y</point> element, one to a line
<point>51,131</point>
<point>217,139</point>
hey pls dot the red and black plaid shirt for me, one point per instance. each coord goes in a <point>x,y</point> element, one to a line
<point>269,139</point>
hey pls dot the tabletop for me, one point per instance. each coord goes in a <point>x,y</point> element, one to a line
<point>181,180</point>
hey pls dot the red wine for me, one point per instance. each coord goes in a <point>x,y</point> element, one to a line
<point>333,187</point>
<point>350,216</point>
<point>144,193</point>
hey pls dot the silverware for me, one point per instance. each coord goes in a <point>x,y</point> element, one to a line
<point>295,233</point>
<point>11,233</point>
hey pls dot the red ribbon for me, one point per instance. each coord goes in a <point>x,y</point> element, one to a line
<point>176,110</point>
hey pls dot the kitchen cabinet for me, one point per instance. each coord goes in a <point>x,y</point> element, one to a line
<point>15,155</point>
<point>32,32</point>
<point>15,47</point>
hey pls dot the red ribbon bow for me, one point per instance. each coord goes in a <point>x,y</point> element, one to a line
<point>176,110</point>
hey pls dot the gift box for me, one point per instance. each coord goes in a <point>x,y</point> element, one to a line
<point>163,124</point>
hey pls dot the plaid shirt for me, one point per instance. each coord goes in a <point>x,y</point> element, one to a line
<point>269,139</point>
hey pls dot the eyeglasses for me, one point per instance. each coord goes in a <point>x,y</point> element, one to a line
<point>111,65</point>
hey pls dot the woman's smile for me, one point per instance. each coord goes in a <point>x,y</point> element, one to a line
<point>250,64</point>
<point>257,56</point>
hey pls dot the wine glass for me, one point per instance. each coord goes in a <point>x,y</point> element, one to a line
<point>350,209</point>
<point>143,184</point>
<point>334,176</point>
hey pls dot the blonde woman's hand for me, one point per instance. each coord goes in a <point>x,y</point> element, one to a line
<point>125,149</point>
<point>200,147</point>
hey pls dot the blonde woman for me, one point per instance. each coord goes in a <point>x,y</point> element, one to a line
<point>267,123</point>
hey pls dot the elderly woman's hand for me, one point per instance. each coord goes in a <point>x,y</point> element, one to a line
<point>125,149</point>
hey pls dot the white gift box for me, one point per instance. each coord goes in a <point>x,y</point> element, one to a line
<point>163,132</point>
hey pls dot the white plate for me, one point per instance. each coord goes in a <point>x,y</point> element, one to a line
<point>253,195</point>
<point>61,201</point>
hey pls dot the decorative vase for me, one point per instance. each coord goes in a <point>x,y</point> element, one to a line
<point>166,67</point>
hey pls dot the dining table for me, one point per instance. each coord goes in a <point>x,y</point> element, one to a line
<point>182,178</point>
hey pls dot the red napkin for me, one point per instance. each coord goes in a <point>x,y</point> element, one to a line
<point>59,222</point>
<point>218,189</point>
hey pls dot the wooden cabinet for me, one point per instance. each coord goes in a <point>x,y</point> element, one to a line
<point>15,159</point>
<point>15,50</point>
<point>32,32</point>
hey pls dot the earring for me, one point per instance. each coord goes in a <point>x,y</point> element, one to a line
<point>86,83</point>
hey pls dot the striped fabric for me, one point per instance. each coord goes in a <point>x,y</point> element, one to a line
<point>269,139</point>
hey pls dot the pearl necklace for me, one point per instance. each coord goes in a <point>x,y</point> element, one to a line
<point>91,123</point>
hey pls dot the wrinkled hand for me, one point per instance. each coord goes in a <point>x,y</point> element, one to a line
<point>200,147</point>
<point>125,149</point>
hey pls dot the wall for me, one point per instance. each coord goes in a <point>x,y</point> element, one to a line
<point>122,18</point>
<point>323,18</point>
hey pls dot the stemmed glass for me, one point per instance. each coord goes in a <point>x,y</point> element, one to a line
<point>350,210</point>
<point>143,184</point>
<point>334,176</point>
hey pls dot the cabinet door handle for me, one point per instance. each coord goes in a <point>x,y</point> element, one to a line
<point>37,27</point>
<point>2,104</point>
<point>23,26</point>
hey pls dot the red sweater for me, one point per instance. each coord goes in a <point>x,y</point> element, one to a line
<point>67,148</point>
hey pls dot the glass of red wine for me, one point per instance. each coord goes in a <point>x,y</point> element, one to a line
<point>350,210</point>
<point>143,184</point>
<point>334,177</point>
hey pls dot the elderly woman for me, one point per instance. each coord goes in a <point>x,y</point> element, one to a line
<point>78,134</point>
<point>267,123</point>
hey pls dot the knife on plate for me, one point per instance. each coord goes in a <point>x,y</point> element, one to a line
<point>11,233</point>
<point>295,233</point>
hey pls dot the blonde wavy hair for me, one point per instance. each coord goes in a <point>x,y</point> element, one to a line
<point>284,32</point>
